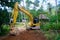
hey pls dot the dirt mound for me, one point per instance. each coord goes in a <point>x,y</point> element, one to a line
<point>27,35</point>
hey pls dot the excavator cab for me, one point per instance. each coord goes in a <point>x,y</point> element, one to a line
<point>35,21</point>
<point>36,24</point>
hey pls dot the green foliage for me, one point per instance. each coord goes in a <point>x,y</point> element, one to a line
<point>46,26</point>
<point>35,13</point>
<point>51,26</point>
<point>36,3</point>
<point>19,17</point>
<point>57,27</point>
<point>58,15</point>
<point>53,18</point>
<point>4,30</point>
<point>28,2</point>
<point>10,4</point>
<point>50,35</point>
<point>50,8</point>
<point>57,37</point>
<point>4,17</point>
<point>58,12</point>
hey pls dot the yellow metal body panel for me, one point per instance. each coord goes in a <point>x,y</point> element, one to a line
<point>14,14</point>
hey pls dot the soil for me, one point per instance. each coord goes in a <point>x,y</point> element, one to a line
<point>27,35</point>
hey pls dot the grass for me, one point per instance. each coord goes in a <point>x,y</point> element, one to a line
<point>50,35</point>
<point>20,24</point>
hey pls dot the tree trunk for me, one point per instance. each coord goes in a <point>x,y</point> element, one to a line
<point>56,11</point>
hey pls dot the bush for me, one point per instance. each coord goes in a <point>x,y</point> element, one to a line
<point>56,26</point>
<point>53,18</point>
<point>51,26</point>
<point>4,30</point>
<point>4,17</point>
<point>57,37</point>
<point>46,26</point>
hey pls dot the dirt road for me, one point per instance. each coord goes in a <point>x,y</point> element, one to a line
<point>27,35</point>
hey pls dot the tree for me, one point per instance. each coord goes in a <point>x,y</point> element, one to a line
<point>4,17</point>
<point>33,12</point>
<point>50,8</point>
<point>58,12</point>
<point>27,4</point>
<point>36,3</point>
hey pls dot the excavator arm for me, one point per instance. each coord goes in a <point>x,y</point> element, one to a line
<point>15,14</point>
<point>28,14</point>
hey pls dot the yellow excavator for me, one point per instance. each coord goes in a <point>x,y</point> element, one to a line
<point>15,14</point>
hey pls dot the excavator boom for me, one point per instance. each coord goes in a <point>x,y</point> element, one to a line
<point>15,14</point>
